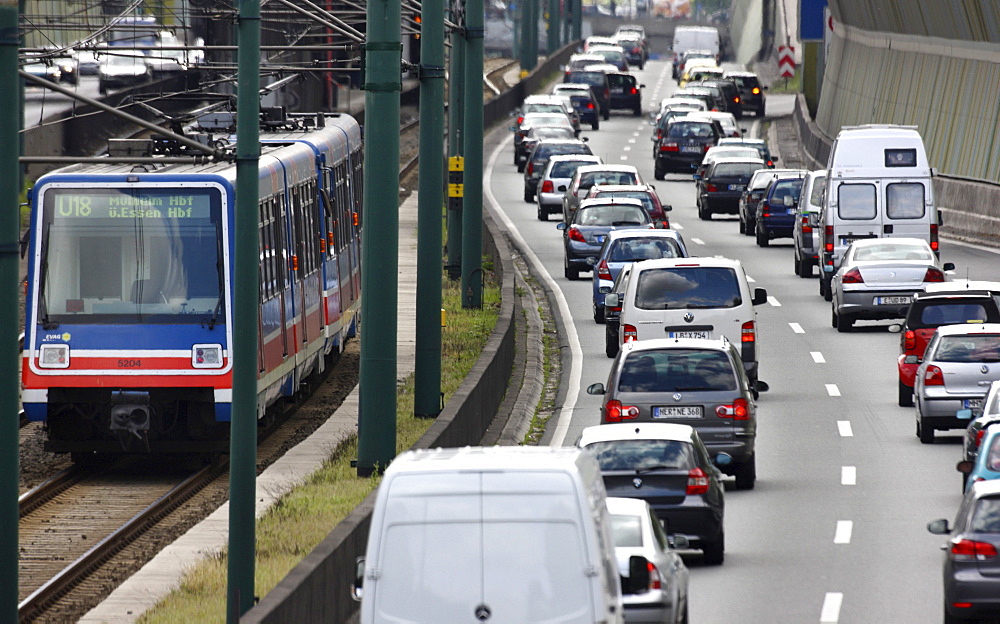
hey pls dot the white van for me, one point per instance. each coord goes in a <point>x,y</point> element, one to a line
<point>694,38</point>
<point>879,184</point>
<point>504,535</point>
<point>691,298</point>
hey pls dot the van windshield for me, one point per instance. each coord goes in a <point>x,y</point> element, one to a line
<point>904,200</point>
<point>688,287</point>
<point>856,201</point>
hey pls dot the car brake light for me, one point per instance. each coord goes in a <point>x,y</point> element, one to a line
<point>706,147</point>
<point>806,228</point>
<point>669,147</point>
<point>576,235</point>
<point>853,277</point>
<point>666,225</point>
<point>530,169</point>
<point>979,437</point>
<point>711,188</point>
<point>738,410</point>
<point>934,237</point>
<point>909,340</point>
<point>933,274</point>
<point>654,576</point>
<point>969,550</point>
<point>828,239</point>
<point>933,376</point>
<point>756,91</point>
<point>770,163</point>
<point>590,105</point>
<point>548,187</point>
<point>748,332</point>
<point>629,333</point>
<point>697,482</point>
<point>603,271</point>
<point>736,99</point>
<point>615,412</point>
<point>607,93</point>
<point>520,120</point>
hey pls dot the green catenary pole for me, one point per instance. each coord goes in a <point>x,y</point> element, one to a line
<point>380,239</point>
<point>427,371</point>
<point>553,23</point>
<point>577,19</point>
<point>524,52</point>
<point>10,122</point>
<point>456,111</point>
<point>243,428</point>
<point>472,211</point>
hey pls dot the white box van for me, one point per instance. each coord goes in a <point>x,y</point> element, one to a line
<point>879,184</point>
<point>695,38</point>
<point>692,298</point>
<point>504,535</point>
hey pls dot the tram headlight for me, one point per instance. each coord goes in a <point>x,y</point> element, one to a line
<point>206,356</point>
<point>54,356</point>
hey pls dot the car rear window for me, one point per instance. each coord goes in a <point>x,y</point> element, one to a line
<point>639,454</point>
<point>626,531</point>
<point>986,518</point>
<point>946,312</point>
<point>647,201</point>
<point>968,349</point>
<point>542,108</point>
<point>683,129</point>
<point>741,170</point>
<point>611,215</point>
<point>638,249</point>
<point>590,78</point>
<point>688,287</point>
<point>566,168</point>
<point>893,251</point>
<point>608,178</point>
<point>545,152</point>
<point>677,370</point>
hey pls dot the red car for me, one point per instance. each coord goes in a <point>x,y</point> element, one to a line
<point>949,303</point>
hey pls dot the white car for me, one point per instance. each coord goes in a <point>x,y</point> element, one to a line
<point>122,68</point>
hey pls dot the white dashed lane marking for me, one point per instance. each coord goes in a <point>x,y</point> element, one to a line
<point>697,241</point>
<point>844,427</point>
<point>830,614</point>
<point>832,390</point>
<point>624,158</point>
<point>676,226</point>
<point>797,328</point>
<point>817,357</point>
<point>848,475</point>
<point>842,535</point>
<point>774,302</point>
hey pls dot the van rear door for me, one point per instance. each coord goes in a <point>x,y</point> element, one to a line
<point>908,208</point>
<point>856,214</point>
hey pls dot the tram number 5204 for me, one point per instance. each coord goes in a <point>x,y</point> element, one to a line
<point>129,363</point>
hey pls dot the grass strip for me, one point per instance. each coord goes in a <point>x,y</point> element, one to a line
<point>303,517</point>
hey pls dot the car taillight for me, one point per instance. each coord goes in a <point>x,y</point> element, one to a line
<point>979,437</point>
<point>607,93</point>
<point>738,410</point>
<point>933,376</point>
<point>828,239</point>
<point>633,91</point>
<point>934,237</point>
<point>654,576</point>
<point>548,187</point>
<point>770,163</point>
<point>853,277</point>
<point>666,224</point>
<point>970,550</point>
<point>669,147</point>
<point>909,340</point>
<point>576,234</point>
<point>590,105</point>
<point>697,482</point>
<point>933,274</point>
<point>629,333</point>
<point>765,209</point>
<point>711,188</point>
<point>706,147</point>
<point>520,120</point>
<point>806,228</point>
<point>603,271</point>
<point>748,332</point>
<point>736,99</point>
<point>530,169</point>
<point>615,412</point>
<point>756,91</point>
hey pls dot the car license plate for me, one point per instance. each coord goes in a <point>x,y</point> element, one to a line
<point>847,240</point>
<point>789,211</point>
<point>688,334</point>
<point>904,300</point>
<point>600,238</point>
<point>691,149</point>
<point>678,411</point>
<point>973,403</point>
<point>736,187</point>
<point>618,91</point>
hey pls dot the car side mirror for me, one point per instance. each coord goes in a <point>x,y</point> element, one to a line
<point>964,414</point>
<point>638,575</point>
<point>584,139</point>
<point>642,86</point>
<point>357,587</point>
<point>948,266</point>
<point>696,176</point>
<point>895,328</point>
<point>723,459</point>
<point>965,466</point>
<point>604,290</point>
<point>667,208</point>
<point>612,300</point>
<point>678,542</point>
<point>774,159</point>
<point>561,225</point>
<point>911,359</point>
<point>939,526</point>
<point>763,88</point>
<point>597,388</point>
<point>759,296</point>
<point>761,386</point>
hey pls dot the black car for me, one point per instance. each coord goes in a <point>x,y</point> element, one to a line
<point>734,102</point>
<point>684,145</point>
<point>626,92</point>
<point>584,103</point>
<point>720,189</point>
<point>711,97</point>
<point>539,158</point>
<point>751,91</point>
<point>599,86</point>
<point>536,135</point>
<point>777,208</point>
<point>534,120</point>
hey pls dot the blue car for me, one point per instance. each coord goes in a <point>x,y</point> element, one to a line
<point>776,210</point>
<point>623,247</point>
<point>584,237</point>
<point>986,465</point>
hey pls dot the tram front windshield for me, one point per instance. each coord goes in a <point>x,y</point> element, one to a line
<point>131,255</point>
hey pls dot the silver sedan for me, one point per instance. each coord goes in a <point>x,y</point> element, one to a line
<point>878,278</point>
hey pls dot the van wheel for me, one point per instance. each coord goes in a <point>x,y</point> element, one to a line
<point>610,344</point>
<point>805,269</point>
<point>743,227</point>
<point>529,196</point>
<point>828,291</point>
<point>746,473</point>
<point>596,125</point>
<point>606,114</point>
<point>925,433</point>
<point>599,315</point>
<point>905,395</point>
<point>715,552</point>
<point>797,264</point>
<point>750,228</point>
<point>762,240</point>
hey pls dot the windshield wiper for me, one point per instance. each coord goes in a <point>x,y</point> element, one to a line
<point>44,270</point>
<point>656,467</point>
<point>218,271</point>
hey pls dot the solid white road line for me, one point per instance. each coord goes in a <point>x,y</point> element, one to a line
<point>830,613</point>
<point>572,339</point>
<point>848,475</point>
<point>832,390</point>
<point>844,427</point>
<point>774,302</point>
<point>842,534</point>
<point>817,357</point>
<point>797,328</point>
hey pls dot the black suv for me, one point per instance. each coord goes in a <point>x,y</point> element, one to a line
<point>722,186</point>
<point>751,91</point>
<point>684,145</point>
<point>599,86</point>
<point>626,92</point>
<point>734,102</point>
<point>539,157</point>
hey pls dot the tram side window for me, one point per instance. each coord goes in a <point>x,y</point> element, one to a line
<point>312,208</point>
<point>281,246</point>
<point>267,250</point>
<point>346,218</point>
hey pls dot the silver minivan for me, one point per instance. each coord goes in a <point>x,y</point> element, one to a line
<point>806,234</point>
